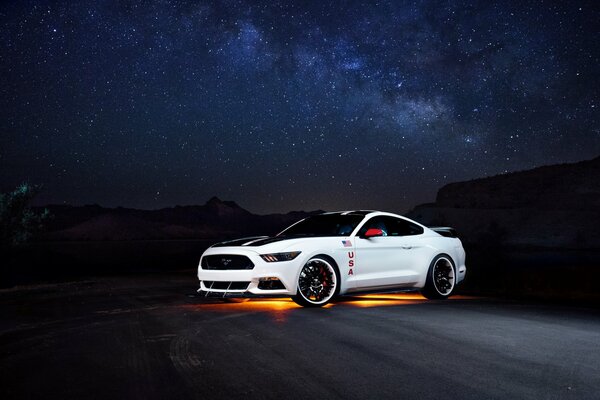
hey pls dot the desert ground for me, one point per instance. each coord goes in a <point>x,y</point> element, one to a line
<point>152,337</point>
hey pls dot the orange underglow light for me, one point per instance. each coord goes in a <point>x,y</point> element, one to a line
<point>388,299</point>
<point>382,300</point>
<point>279,308</point>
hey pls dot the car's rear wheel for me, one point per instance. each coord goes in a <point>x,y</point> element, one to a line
<point>318,282</point>
<point>441,278</point>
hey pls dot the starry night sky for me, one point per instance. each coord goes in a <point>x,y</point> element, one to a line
<point>290,105</point>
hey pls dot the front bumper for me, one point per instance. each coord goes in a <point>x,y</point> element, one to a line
<point>246,282</point>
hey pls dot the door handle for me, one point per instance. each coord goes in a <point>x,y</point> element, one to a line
<point>406,247</point>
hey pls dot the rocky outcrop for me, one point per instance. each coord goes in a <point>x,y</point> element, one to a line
<point>553,206</point>
<point>214,220</point>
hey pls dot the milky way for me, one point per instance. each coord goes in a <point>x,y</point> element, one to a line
<point>283,105</point>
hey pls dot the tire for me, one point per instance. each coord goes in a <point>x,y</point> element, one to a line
<point>318,282</point>
<point>441,278</point>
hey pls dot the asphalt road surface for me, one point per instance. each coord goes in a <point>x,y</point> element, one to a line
<point>150,338</point>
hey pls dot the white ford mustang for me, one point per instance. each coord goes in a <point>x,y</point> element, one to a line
<point>337,253</point>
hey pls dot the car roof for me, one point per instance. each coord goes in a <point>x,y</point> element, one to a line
<point>352,212</point>
<point>364,213</point>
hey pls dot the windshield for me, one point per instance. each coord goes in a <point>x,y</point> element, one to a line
<point>324,225</point>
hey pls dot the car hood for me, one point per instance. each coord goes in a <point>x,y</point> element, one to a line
<point>257,241</point>
<point>262,244</point>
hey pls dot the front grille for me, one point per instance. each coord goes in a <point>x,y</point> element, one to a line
<point>226,262</point>
<point>226,285</point>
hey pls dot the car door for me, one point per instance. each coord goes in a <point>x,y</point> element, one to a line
<point>388,260</point>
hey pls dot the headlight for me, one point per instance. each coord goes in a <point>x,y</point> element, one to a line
<point>275,257</point>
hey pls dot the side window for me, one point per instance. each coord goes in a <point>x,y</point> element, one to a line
<point>391,226</point>
<point>403,227</point>
<point>374,223</point>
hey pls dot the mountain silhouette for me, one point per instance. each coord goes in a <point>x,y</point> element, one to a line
<point>552,206</point>
<point>556,206</point>
<point>216,219</point>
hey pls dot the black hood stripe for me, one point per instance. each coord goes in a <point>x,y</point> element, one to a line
<point>262,242</point>
<point>239,242</point>
<point>257,241</point>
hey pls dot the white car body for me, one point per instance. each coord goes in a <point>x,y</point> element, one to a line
<point>364,264</point>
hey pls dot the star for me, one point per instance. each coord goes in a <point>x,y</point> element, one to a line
<point>282,105</point>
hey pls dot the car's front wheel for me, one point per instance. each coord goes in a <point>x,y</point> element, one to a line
<point>441,278</point>
<point>318,282</point>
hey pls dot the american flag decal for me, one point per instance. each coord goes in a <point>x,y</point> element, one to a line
<point>347,243</point>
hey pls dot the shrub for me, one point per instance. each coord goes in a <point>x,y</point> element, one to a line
<point>18,222</point>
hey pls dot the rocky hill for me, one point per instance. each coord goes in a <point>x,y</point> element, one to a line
<point>214,220</point>
<point>552,206</point>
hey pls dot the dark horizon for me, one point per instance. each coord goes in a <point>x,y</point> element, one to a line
<point>38,203</point>
<point>290,106</point>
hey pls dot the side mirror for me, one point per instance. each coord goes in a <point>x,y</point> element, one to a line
<point>373,232</point>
